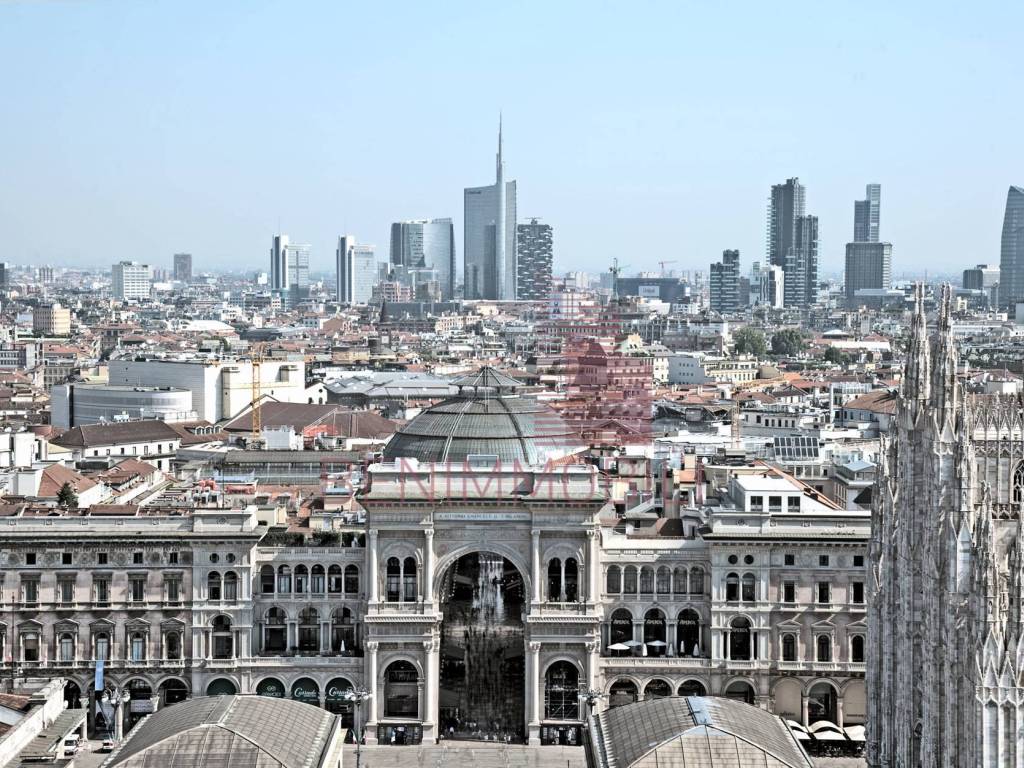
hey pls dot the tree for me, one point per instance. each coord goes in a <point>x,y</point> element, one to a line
<point>787,342</point>
<point>749,341</point>
<point>836,356</point>
<point>67,497</point>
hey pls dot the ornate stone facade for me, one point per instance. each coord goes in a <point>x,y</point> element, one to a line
<point>946,643</point>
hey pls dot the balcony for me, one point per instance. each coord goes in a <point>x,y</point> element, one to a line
<point>646,662</point>
<point>551,609</point>
<point>408,609</point>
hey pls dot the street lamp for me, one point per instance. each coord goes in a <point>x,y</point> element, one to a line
<point>357,697</point>
<point>119,698</point>
<point>590,698</point>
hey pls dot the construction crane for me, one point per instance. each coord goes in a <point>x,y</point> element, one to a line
<point>663,263</point>
<point>615,269</point>
<point>257,394</point>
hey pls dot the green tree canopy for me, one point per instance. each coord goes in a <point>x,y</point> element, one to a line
<point>67,497</point>
<point>788,342</point>
<point>837,356</point>
<point>749,341</point>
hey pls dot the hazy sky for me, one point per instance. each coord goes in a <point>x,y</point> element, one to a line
<point>640,130</point>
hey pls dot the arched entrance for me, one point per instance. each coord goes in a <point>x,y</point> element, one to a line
<point>335,701</point>
<point>821,703</point>
<point>141,703</point>
<point>221,687</point>
<point>482,679</point>
<point>688,632</point>
<point>621,693</point>
<point>657,689</point>
<point>692,688</point>
<point>270,686</point>
<point>307,691</point>
<point>172,692</point>
<point>72,694</point>
<point>741,691</point>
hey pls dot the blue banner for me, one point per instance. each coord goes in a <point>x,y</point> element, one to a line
<point>98,682</point>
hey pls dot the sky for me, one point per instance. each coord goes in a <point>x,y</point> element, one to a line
<point>642,131</point>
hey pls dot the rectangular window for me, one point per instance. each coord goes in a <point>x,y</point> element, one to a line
<point>30,591</point>
<point>824,592</point>
<point>858,561</point>
<point>775,502</point>
<point>65,558</point>
<point>172,588</point>
<point>30,558</point>
<point>790,559</point>
<point>66,591</point>
<point>136,589</point>
<point>823,561</point>
<point>793,503</point>
<point>172,558</point>
<point>101,558</point>
<point>756,502</point>
<point>137,558</point>
<point>789,592</point>
<point>858,592</point>
<point>101,589</point>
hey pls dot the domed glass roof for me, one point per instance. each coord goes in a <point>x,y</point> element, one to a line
<point>486,418</point>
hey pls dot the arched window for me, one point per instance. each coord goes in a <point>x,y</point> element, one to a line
<point>393,572</point>
<point>284,580</point>
<point>102,647</point>
<point>692,688</point>
<point>748,595</point>
<point>657,689</point>
<point>732,588</point>
<point>654,632</point>
<point>230,586</point>
<point>301,580</point>
<point>66,647</point>
<point>317,580</point>
<point>554,580</point>
<point>740,645</point>
<point>172,645</point>
<point>275,631</point>
<point>789,647</point>
<point>409,583</point>
<point>688,633</point>
<point>824,646</point>
<point>334,579</point>
<point>1018,483</point>
<point>857,649</point>
<point>562,691</point>
<point>267,579</point>
<point>213,582</point>
<point>696,580</point>
<point>821,703</point>
<point>309,629</point>
<point>572,575</point>
<point>679,580</point>
<point>741,691</point>
<point>629,580</point>
<point>401,694</point>
<point>613,581</point>
<point>343,632</point>
<point>664,581</point>
<point>223,638</point>
<point>620,630</point>
<point>622,692</point>
<point>646,580</point>
<point>137,646</point>
<point>351,579</point>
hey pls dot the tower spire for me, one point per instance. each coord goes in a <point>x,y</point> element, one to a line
<point>500,162</point>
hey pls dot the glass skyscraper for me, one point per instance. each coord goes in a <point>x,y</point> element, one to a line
<point>1011,261</point>
<point>356,271</point>
<point>489,247</point>
<point>425,245</point>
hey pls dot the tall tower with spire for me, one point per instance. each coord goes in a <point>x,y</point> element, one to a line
<point>946,571</point>
<point>490,235</point>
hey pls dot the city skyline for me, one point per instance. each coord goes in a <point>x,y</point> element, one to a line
<point>628,163</point>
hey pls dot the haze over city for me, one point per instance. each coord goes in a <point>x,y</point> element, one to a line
<point>137,130</point>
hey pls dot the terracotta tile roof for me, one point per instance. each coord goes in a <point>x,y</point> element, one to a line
<point>876,401</point>
<point>54,477</point>
<point>114,434</point>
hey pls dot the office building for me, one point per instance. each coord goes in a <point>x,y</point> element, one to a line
<point>425,244</point>
<point>786,205</point>
<point>5,276</point>
<point>356,271</point>
<point>868,267</point>
<point>289,269</point>
<point>1011,261</point>
<point>51,320</point>
<point>489,237</point>
<point>767,286</point>
<point>183,267</point>
<point>866,215</point>
<point>801,264</point>
<point>535,258</point>
<point>724,283</point>
<point>981,278</point>
<point>130,280</point>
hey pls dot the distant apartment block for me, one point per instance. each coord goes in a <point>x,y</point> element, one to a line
<point>130,280</point>
<point>183,267</point>
<point>51,320</point>
<point>534,245</point>
<point>724,283</point>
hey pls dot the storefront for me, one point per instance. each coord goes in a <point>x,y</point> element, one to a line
<point>270,686</point>
<point>400,734</point>
<point>306,690</point>
<point>563,735</point>
<point>335,701</point>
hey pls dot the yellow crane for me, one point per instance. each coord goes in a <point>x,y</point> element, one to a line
<point>257,392</point>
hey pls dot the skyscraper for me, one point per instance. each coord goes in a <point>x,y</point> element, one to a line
<point>534,250</point>
<point>867,214</point>
<point>489,244</point>
<point>868,266</point>
<point>1011,261</point>
<point>424,244</point>
<point>793,242</point>
<point>724,283</point>
<point>767,285</point>
<point>356,271</point>
<point>130,280</point>
<point>289,269</point>
<point>183,267</point>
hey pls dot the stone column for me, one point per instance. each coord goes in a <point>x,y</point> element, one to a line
<point>428,565</point>
<point>638,631</point>
<point>561,582</point>
<point>325,636</point>
<point>534,689</point>
<point>370,724</point>
<point>431,666</point>
<point>420,702</point>
<point>593,664</point>
<point>372,567</point>
<point>593,566</point>
<point>726,650</point>
<point>670,636</point>
<point>839,711</point>
<point>535,533</point>
<point>293,635</point>
<point>804,710</point>
<point>83,703</point>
